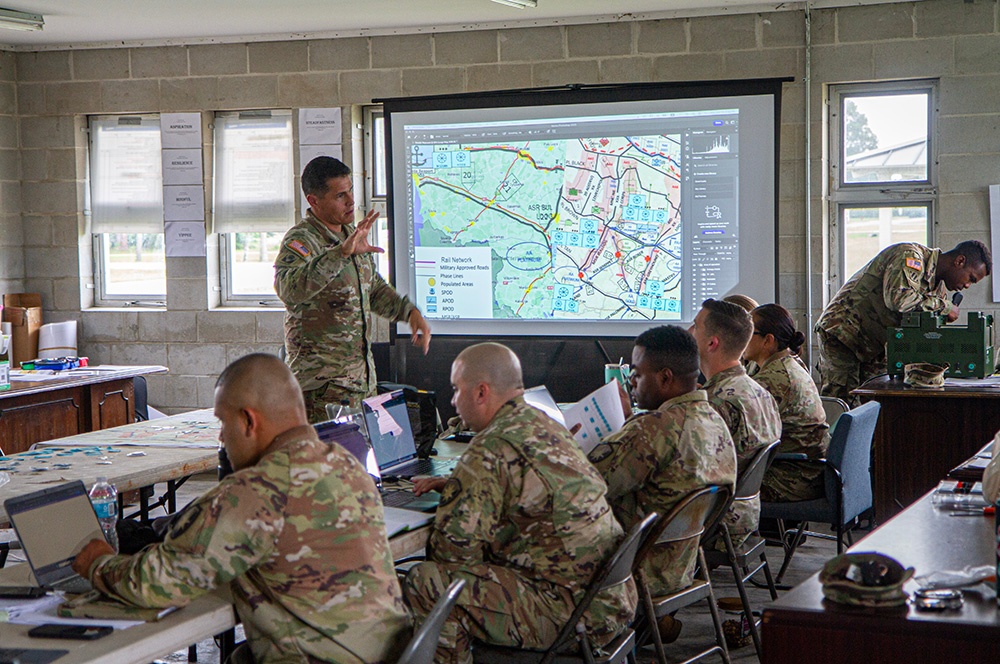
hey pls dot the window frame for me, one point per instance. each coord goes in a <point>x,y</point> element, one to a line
<point>99,241</point>
<point>375,200</point>
<point>227,240</point>
<point>913,193</point>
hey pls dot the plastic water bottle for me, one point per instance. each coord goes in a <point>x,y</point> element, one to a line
<point>104,497</point>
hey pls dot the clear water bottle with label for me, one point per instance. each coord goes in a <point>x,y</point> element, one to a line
<point>104,497</point>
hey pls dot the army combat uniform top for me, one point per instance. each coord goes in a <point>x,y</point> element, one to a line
<point>654,461</point>
<point>803,430</point>
<point>751,416</point>
<point>300,539</point>
<point>329,302</point>
<point>524,520</point>
<point>851,330</point>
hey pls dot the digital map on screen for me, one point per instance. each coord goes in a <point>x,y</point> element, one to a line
<point>576,228</point>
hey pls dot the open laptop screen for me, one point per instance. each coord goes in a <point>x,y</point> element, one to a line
<point>349,436</point>
<point>389,429</point>
<point>53,526</point>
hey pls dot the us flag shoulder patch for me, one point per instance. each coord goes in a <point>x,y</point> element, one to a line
<point>303,250</point>
<point>914,263</point>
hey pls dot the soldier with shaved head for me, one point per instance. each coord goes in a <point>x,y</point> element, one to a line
<point>297,532</point>
<point>523,519</point>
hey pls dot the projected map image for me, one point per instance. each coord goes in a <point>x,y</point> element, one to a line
<point>586,229</point>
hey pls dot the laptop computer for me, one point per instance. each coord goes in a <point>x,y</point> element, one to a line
<point>391,436</point>
<point>349,436</point>
<point>53,526</point>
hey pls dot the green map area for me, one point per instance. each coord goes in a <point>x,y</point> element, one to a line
<point>585,229</point>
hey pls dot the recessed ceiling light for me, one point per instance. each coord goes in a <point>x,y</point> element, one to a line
<point>519,4</point>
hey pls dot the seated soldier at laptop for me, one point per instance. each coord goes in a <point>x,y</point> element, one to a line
<point>523,519</point>
<point>680,445</point>
<point>297,532</point>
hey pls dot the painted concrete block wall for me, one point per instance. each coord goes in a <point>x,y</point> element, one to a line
<point>957,42</point>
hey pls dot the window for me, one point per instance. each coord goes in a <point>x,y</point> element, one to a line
<point>126,210</point>
<point>254,201</point>
<point>883,179</point>
<point>375,183</point>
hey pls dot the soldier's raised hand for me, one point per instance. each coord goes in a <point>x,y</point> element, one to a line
<point>357,242</point>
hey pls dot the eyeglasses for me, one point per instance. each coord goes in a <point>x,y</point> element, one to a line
<point>760,333</point>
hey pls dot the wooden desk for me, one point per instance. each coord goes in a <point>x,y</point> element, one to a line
<point>922,434</point>
<point>171,448</point>
<point>802,626</point>
<point>77,401</point>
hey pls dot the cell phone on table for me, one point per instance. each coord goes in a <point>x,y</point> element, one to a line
<point>82,632</point>
<point>21,592</point>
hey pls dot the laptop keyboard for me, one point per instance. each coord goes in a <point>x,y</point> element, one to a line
<point>423,467</point>
<point>76,585</point>
<point>399,498</point>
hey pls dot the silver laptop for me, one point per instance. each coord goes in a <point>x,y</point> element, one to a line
<point>349,436</point>
<point>391,436</point>
<point>53,526</point>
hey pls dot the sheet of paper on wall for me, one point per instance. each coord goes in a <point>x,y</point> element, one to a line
<point>995,233</point>
<point>309,152</point>
<point>180,130</point>
<point>599,413</point>
<point>320,126</point>
<point>184,238</point>
<point>182,166</point>
<point>184,203</point>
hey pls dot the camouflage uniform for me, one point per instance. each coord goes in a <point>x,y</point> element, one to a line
<point>851,330</point>
<point>752,417</point>
<point>803,431</point>
<point>300,539</point>
<point>524,520</point>
<point>329,302</point>
<point>656,459</point>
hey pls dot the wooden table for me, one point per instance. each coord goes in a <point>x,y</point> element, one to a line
<point>803,627</point>
<point>922,434</point>
<point>72,402</point>
<point>164,450</point>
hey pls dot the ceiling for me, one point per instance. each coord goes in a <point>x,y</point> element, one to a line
<point>93,23</point>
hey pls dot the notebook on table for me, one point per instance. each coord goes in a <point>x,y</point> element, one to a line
<point>53,526</point>
<point>349,436</point>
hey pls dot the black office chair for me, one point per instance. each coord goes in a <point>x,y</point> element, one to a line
<point>848,485</point>
<point>572,643</point>
<point>421,648</point>
<point>739,560</point>
<point>141,399</point>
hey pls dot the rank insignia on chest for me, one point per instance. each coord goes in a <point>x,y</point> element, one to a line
<point>299,248</point>
<point>914,263</point>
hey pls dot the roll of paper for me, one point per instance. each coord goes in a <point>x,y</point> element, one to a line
<point>57,340</point>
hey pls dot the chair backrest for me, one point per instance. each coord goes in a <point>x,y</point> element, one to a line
<point>141,399</point>
<point>696,513</point>
<point>850,455</point>
<point>749,481</point>
<point>834,408</point>
<point>421,648</point>
<point>616,569</point>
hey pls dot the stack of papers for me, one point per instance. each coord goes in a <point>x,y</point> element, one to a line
<point>398,520</point>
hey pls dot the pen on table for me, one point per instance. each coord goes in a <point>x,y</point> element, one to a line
<point>986,511</point>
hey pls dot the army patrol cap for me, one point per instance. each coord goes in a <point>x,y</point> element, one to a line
<point>924,374</point>
<point>865,579</point>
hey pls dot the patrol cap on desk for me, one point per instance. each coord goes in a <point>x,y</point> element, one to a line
<point>924,374</point>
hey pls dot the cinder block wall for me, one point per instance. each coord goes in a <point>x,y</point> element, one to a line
<point>955,41</point>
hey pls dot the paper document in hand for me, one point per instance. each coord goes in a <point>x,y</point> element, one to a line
<point>398,520</point>
<point>599,413</point>
<point>540,398</point>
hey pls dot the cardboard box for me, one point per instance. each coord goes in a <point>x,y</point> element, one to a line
<point>24,313</point>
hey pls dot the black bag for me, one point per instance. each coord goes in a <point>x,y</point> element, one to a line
<point>421,405</point>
